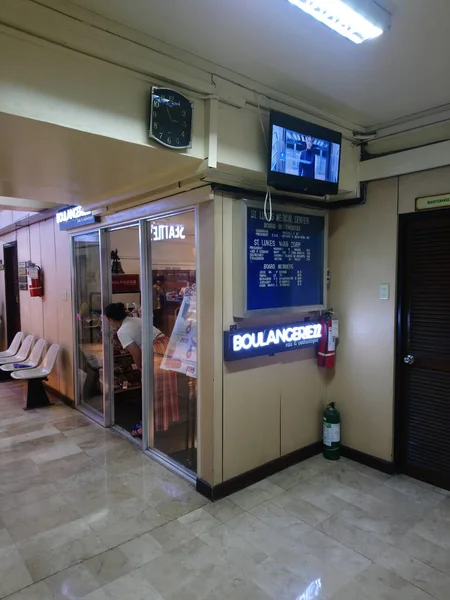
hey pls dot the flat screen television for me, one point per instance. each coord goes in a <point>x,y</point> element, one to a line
<point>303,157</point>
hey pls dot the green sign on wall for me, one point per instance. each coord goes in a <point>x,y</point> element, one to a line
<point>431,202</point>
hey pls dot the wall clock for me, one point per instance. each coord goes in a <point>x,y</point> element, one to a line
<point>170,118</point>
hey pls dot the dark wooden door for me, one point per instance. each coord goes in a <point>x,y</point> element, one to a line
<point>423,370</point>
<point>11,291</point>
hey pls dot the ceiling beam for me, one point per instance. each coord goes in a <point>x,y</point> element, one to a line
<point>424,158</point>
<point>48,213</point>
<point>23,204</point>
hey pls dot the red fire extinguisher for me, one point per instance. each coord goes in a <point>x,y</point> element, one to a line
<point>326,351</point>
<point>35,286</point>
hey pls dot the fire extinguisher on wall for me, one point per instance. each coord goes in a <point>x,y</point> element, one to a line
<point>326,350</point>
<point>331,432</point>
<point>35,286</point>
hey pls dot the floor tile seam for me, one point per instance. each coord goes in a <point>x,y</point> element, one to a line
<point>22,590</point>
<point>353,525</point>
<point>44,579</point>
<point>242,536</point>
<point>410,583</point>
<point>80,562</point>
<point>91,532</point>
<point>383,502</point>
<point>116,546</point>
<point>318,507</point>
<point>70,477</point>
<point>55,481</point>
<point>422,562</point>
<point>316,528</point>
<point>430,504</point>
<point>351,487</point>
<point>279,507</point>
<point>407,580</point>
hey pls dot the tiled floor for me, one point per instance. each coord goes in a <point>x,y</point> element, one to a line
<point>83,514</point>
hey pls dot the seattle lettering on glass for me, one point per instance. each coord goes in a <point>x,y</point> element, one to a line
<point>167,232</point>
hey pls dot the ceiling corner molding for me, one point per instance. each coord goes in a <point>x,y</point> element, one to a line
<point>424,158</point>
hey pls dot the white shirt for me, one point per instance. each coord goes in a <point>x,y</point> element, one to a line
<point>130,332</point>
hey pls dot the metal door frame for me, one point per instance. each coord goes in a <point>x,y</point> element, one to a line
<point>147,335</point>
<point>106,285</point>
<point>91,413</point>
<point>8,337</point>
<point>147,345</point>
<point>108,353</point>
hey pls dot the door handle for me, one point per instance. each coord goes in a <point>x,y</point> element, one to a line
<point>409,359</point>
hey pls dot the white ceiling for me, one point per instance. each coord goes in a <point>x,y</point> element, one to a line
<point>58,165</point>
<point>395,76</point>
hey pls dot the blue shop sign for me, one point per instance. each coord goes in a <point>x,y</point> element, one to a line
<point>74,216</point>
<point>248,343</point>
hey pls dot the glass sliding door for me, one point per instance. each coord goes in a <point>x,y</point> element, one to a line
<point>125,289</point>
<point>87,300</point>
<point>172,337</point>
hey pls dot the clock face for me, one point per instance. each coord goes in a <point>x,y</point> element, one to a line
<point>170,118</point>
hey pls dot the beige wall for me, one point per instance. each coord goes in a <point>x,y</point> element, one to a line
<point>428,183</point>
<point>49,317</point>
<point>271,405</point>
<point>362,255</point>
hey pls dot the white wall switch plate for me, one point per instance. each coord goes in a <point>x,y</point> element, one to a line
<point>384,291</point>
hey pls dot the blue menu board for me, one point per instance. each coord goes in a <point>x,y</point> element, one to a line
<point>285,260</point>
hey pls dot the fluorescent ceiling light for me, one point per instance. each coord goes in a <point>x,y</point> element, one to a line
<point>345,20</point>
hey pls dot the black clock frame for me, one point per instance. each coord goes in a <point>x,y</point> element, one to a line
<point>152,135</point>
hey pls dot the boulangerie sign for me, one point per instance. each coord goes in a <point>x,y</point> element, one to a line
<point>248,343</point>
<point>125,283</point>
<point>74,216</point>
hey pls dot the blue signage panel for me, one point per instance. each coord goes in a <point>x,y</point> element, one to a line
<point>248,343</point>
<point>285,260</point>
<point>74,216</point>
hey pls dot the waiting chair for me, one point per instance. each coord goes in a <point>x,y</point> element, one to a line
<point>33,361</point>
<point>15,345</point>
<point>22,354</point>
<point>36,394</point>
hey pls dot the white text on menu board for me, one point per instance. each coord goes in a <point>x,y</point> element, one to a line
<point>280,245</point>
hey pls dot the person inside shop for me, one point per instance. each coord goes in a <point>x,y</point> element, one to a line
<point>187,289</point>
<point>307,163</point>
<point>129,333</point>
<point>158,301</point>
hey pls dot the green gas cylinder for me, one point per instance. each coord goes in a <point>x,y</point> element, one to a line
<point>331,432</point>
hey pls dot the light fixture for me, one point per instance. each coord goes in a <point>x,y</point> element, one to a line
<point>357,20</point>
